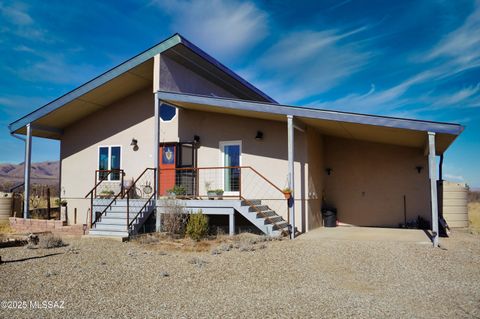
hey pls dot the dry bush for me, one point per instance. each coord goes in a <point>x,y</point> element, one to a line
<point>473,196</point>
<point>175,218</point>
<point>474,216</point>
<point>197,226</point>
<point>6,229</point>
<point>50,241</point>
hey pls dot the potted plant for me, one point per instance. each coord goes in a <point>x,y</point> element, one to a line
<point>219,193</point>
<point>106,193</point>
<point>176,191</point>
<point>211,193</point>
<point>287,192</point>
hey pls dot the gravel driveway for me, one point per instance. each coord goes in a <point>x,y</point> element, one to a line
<point>310,277</point>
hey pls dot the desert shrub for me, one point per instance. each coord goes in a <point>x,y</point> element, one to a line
<point>174,218</point>
<point>45,242</point>
<point>197,226</point>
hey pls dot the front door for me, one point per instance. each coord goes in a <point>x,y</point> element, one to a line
<point>231,153</point>
<point>176,167</point>
<point>167,164</point>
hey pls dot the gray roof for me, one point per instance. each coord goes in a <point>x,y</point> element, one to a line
<point>163,46</point>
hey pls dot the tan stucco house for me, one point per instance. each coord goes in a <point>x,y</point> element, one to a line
<point>173,120</point>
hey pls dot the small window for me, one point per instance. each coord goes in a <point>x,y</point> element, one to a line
<point>109,159</point>
<point>167,112</point>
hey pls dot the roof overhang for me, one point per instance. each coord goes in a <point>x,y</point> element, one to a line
<point>125,79</point>
<point>382,129</point>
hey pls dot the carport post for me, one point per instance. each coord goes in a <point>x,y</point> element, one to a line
<point>291,204</point>
<point>432,167</point>
<point>26,175</point>
<point>156,142</point>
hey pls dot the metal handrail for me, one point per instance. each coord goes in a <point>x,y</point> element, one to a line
<point>93,191</point>
<point>129,224</point>
<point>127,192</point>
<point>15,187</point>
<point>105,179</point>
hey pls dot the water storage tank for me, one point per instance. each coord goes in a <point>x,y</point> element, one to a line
<point>455,206</point>
<point>5,207</point>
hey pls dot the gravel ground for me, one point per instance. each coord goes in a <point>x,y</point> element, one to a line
<point>302,278</point>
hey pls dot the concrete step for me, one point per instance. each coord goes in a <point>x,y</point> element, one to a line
<point>252,201</point>
<point>274,219</point>
<point>104,233</point>
<point>109,227</point>
<point>260,208</point>
<point>266,213</point>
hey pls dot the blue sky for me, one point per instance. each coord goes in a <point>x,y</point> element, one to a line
<point>417,59</point>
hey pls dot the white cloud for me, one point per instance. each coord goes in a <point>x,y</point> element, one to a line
<point>16,14</point>
<point>225,29</point>
<point>454,178</point>
<point>309,63</point>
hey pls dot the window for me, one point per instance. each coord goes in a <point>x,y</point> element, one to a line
<point>109,160</point>
<point>167,112</point>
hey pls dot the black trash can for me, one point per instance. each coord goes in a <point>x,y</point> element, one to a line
<point>329,217</point>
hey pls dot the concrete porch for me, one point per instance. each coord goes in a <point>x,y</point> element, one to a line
<point>368,234</point>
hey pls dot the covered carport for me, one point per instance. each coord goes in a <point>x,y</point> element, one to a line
<point>341,148</point>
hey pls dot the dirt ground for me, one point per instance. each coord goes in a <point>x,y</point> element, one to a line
<point>247,276</point>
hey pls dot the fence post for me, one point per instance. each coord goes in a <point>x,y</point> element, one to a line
<point>48,203</point>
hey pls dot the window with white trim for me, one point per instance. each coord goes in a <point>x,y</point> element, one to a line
<point>109,158</point>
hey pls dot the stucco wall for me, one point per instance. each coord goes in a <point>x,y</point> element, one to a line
<point>268,156</point>
<point>315,176</point>
<point>369,181</point>
<point>117,124</point>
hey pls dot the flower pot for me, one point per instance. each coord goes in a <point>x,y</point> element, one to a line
<point>211,194</point>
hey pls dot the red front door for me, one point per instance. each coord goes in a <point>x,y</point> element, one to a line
<point>167,162</point>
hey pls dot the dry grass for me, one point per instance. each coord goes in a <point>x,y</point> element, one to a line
<point>6,229</point>
<point>215,244</point>
<point>474,216</point>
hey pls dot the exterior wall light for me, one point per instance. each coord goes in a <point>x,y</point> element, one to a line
<point>134,144</point>
<point>419,168</point>
<point>329,170</point>
<point>196,139</point>
<point>259,136</point>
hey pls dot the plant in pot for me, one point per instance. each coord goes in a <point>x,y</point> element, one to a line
<point>106,193</point>
<point>177,191</point>
<point>211,193</point>
<point>219,193</point>
<point>287,192</point>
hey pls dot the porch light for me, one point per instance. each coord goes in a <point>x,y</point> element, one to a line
<point>419,168</point>
<point>134,144</point>
<point>196,139</point>
<point>329,170</point>
<point>259,136</point>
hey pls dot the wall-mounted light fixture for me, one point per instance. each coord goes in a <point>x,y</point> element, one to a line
<point>329,170</point>
<point>134,144</point>
<point>259,136</point>
<point>196,139</point>
<point>419,168</point>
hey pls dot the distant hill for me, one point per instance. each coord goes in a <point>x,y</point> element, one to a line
<point>45,173</point>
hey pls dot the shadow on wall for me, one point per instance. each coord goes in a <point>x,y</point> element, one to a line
<point>107,122</point>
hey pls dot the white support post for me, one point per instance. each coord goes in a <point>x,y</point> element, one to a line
<point>156,142</point>
<point>26,175</point>
<point>231,224</point>
<point>432,167</point>
<point>291,178</point>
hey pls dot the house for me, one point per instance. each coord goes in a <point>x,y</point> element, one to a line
<point>175,120</point>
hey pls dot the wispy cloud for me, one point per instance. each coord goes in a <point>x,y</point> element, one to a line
<point>19,23</point>
<point>225,29</point>
<point>309,63</point>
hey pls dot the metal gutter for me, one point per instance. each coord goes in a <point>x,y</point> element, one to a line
<point>393,122</point>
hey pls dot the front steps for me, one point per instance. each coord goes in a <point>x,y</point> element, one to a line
<point>245,209</point>
<point>114,222</point>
